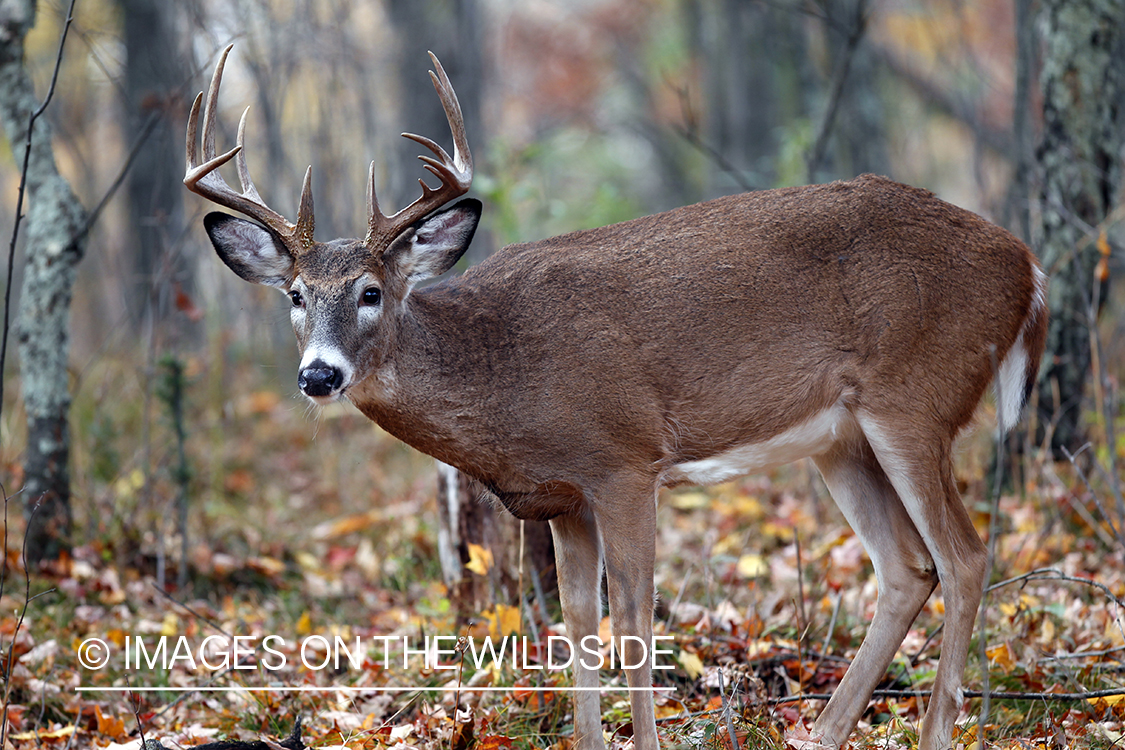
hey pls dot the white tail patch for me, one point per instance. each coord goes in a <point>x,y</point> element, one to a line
<point>1009,385</point>
<point>1011,382</point>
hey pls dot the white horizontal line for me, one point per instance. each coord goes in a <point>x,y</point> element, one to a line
<point>373,689</point>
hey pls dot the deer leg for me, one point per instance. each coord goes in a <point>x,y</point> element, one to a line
<point>921,472</point>
<point>629,545</point>
<point>903,568</point>
<point>579,562</point>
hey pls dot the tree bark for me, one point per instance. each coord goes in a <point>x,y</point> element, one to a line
<point>54,246</point>
<point>452,30</point>
<point>1083,87</point>
<point>153,72</point>
<point>464,518</point>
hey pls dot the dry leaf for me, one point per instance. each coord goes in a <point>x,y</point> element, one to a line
<point>480,559</point>
<point>691,663</point>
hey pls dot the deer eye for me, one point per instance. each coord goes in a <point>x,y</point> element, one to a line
<point>371,296</point>
<point>296,298</point>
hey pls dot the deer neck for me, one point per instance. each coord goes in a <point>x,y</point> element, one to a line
<point>427,391</point>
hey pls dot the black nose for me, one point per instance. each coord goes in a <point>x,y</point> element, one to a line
<point>319,379</point>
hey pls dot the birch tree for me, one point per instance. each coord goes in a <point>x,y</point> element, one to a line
<point>54,245</point>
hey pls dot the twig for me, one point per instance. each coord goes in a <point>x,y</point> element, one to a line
<point>802,625</point>
<point>19,623</point>
<point>820,145</point>
<point>828,634</point>
<point>1084,654</point>
<point>994,510</point>
<point>726,713</point>
<point>1097,501</point>
<point>136,711</point>
<point>1041,574</point>
<point>926,644</point>
<point>679,596</point>
<point>138,143</point>
<point>462,643</point>
<point>690,133</point>
<point>77,720</point>
<point>193,613</point>
<point>1008,696</point>
<point>537,588</point>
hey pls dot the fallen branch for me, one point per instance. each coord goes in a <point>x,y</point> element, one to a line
<point>1009,696</point>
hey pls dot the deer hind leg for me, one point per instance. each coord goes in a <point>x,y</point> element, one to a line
<point>903,567</point>
<point>628,530</point>
<point>579,562</point>
<point>920,468</point>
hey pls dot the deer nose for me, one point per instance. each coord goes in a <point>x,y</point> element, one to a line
<point>319,379</point>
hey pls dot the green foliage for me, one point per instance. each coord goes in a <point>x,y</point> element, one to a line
<point>526,187</point>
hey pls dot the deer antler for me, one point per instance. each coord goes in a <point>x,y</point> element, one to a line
<point>455,173</point>
<point>204,179</point>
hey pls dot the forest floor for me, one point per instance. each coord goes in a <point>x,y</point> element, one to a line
<point>312,584</point>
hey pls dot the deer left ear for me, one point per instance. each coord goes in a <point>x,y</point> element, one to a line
<point>437,242</point>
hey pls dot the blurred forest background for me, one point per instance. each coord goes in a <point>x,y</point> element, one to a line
<point>182,378</point>
<point>580,113</point>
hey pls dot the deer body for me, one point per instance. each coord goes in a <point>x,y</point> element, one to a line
<point>650,346</point>
<point>853,322</point>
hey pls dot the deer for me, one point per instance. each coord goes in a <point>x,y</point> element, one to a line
<point>855,323</point>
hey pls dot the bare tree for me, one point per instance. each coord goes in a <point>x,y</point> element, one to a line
<point>54,246</point>
<point>451,29</point>
<point>1083,86</point>
<point>153,72</point>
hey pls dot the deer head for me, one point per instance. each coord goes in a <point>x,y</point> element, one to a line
<point>346,294</point>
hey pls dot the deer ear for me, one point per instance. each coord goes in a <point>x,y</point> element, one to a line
<point>249,250</point>
<point>438,242</point>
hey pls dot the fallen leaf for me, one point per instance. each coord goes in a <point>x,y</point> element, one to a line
<point>752,566</point>
<point>110,726</point>
<point>37,735</point>
<point>691,663</point>
<point>1002,657</point>
<point>480,559</point>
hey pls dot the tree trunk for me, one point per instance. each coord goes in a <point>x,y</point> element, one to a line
<point>465,518</point>
<point>1083,86</point>
<point>452,30</point>
<point>153,71</point>
<point>53,247</point>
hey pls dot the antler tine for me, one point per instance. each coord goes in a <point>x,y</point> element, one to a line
<point>462,157</point>
<point>454,173</point>
<point>244,178</point>
<point>213,105</point>
<point>205,180</point>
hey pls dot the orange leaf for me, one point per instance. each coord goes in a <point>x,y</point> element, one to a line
<point>110,726</point>
<point>1002,656</point>
<point>480,559</point>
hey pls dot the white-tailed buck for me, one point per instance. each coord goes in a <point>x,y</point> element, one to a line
<point>854,323</point>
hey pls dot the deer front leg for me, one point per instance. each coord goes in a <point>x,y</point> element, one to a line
<point>628,531</point>
<point>579,562</point>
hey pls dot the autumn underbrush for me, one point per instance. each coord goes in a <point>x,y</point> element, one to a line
<point>305,585</point>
